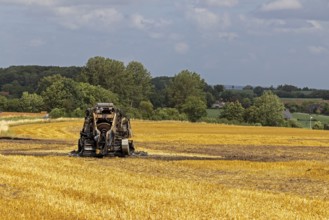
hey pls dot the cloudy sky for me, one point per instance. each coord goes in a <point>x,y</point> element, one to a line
<point>240,42</point>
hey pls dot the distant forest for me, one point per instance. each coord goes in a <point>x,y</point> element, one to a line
<point>15,80</point>
<point>72,89</point>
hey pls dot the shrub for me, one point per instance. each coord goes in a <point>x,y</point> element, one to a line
<point>168,114</point>
<point>293,123</point>
<point>233,111</point>
<point>57,113</point>
<point>78,112</point>
<point>146,109</point>
<point>195,108</point>
<point>133,113</point>
<point>318,125</point>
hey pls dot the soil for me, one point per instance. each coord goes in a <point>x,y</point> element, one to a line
<point>22,146</point>
<point>206,152</point>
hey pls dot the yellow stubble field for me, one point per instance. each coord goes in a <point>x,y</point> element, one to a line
<point>193,171</point>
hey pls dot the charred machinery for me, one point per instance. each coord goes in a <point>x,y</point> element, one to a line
<point>106,131</point>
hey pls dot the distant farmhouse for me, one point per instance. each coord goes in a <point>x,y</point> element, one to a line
<point>218,104</point>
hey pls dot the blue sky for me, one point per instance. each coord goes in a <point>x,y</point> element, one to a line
<point>240,42</point>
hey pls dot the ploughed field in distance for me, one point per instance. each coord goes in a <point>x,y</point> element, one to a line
<point>192,171</point>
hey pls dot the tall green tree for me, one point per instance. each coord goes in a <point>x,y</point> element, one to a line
<point>146,109</point>
<point>140,83</point>
<point>109,74</point>
<point>90,95</point>
<point>209,90</point>
<point>13,105</point>
<point>31,102</point>
<point>183,85</point>
<point>218,89</point>
<point>233,111</point>
<point>62,93</point>
<point>3,103</point>
<point>159,96</point>
<point>267,110</point>
<point>19,79</point>
<point>195,108</point>
<point>14,88</point>
<point>45,82</point>
<point>258,90</point>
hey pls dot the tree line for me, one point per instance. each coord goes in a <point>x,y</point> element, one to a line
<point>68,91</point>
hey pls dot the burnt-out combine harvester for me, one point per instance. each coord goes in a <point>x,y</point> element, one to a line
<point>106,131</point>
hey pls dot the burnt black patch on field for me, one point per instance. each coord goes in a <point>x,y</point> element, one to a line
<point>46,147</point>
<point>34,141</point>
<point>177,157</point>
<point>247,153</point>
<point>32,147</point>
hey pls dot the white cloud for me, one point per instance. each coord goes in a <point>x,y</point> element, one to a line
<point>282,5</point>
<point>97,15</point>
<point>220,3</point>
<point>315,24</point>
<point>77,17</point>
<point>262,26</point>
<point>227,36</point>
<point>295,9</point>
<point>182,47</point>
<point>206,19</point>
<point>30,2</point>
<point>105,3</point>
<point>301,27</point>
<point>318,50</point>
<point>138,21</point>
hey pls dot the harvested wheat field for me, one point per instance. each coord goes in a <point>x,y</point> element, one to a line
<point>22,114</point>
<point>193,171</point>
